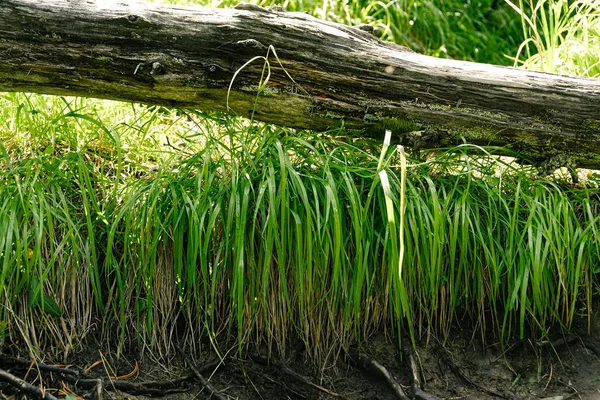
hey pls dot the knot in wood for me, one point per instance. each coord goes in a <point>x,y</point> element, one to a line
<point>366,28</point>
<point>250,43</point>
<point>157,68</point>
<point>275,8</point>
<point>251,7</point>
<point>138,21</point>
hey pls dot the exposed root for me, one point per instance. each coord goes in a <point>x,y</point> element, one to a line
<point>556,343</point>
<point>12,361</point>
<point>84,381</point>
<point>459,372</point>
<point>203,381</point>
<point>25,387</point>
<point>293,374</point>
<point>593,347</point>
<point>585,342</point>
<point>99,389</point>
<point>149,388</point>
<point>373,366</point>
<point>417,385</point>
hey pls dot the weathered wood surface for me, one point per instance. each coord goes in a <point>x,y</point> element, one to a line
<point>186,57</point>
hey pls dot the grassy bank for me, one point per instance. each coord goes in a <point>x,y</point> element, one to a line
<point>145,226</point>
<point>149,225</point>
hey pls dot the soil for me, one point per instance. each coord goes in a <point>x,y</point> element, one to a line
<point>461,368</point>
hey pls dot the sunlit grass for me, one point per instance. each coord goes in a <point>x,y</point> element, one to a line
<point>560,36</point>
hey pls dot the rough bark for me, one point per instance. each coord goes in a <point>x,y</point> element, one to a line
<point>187,57</point>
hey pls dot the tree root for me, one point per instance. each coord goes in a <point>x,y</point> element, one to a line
<point>459,372</point>
<point>593,347</point>
<point>25,387</point>
<point>203,381</point>
<point>12,361</point>
<point>373,366</point>
<point>585,342</point>
<point>293,374</point>
<point>81,379</point>
<point>417,385</point>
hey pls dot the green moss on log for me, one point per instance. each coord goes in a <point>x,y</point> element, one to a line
<point>592,125</point>
<point>398,126</point>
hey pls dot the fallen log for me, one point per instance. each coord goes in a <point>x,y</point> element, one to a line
<point>320,73</point>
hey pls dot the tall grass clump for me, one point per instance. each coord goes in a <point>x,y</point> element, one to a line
<point>560,36</point>
<point>53,201</point>
<point>513,251</point>
<point>266,239</point>
<point>230,234</point>
<point>61,172</point>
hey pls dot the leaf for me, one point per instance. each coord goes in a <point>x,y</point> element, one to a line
<point>3,329</point>
<point>35,292</point>
<point>51,307</point>
<point>38,298</point>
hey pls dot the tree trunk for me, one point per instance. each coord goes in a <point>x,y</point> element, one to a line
<point>188,57</point>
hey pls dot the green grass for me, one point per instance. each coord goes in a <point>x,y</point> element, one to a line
<point>560,36</point>
<point>230,233</point>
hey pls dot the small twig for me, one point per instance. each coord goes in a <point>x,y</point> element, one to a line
<point>373,366</point>
<point>106,366</point>
<point>93,365</point>
<point>307,381</point>
<point>23,386</point>
<point>177,148</point>
<point>66,390</point>
<point>31,364</point>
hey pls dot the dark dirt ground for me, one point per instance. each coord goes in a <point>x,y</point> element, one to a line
<point>462,368</point>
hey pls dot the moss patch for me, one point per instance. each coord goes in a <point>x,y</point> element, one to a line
<point>395,125</point>
<point>592,125</point>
